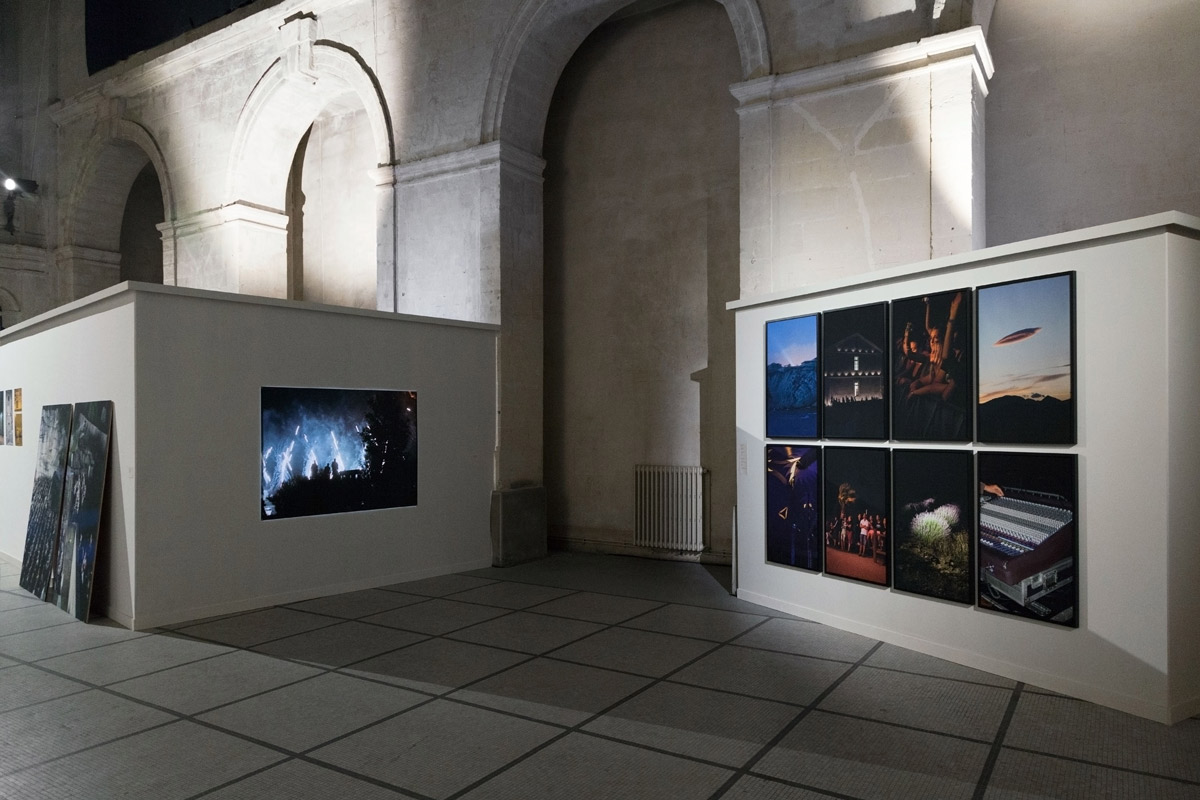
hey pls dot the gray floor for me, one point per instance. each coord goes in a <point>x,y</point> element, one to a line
<point>574,677</point>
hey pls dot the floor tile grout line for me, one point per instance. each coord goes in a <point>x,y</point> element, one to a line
<point>180,716</point>
<point>788,728</point>
<point>239,779</point>
<point>640,597</point>
<point>989,764</point>
<point>798,785</point>
<point>1102,765</point>
<point>90,747</point>
<point>578,727</point>
<point>906,727</point>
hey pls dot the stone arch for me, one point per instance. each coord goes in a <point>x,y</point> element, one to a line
<point>114,157</point>
<point>282,106</point>
<point>541,39</point>
<point>310,76</point>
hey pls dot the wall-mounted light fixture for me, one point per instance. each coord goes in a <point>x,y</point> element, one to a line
<point>16,187</point>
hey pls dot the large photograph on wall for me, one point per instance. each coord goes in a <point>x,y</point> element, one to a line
<point>793,379</point>
<point>857,531</point>
<point>1026,361</point>
<point>83,502</point>
<point>329,451</point>
<point>931,355</point>
<point>933,508</point>
<point>794,506</point>
<point>45,507</point>
<point>1028,535</point>
<point>855,372</point>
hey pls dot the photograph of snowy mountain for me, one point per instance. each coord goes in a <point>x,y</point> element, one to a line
<point>329,451</point>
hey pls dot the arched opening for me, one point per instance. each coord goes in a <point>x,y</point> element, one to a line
<point>141,245</point>
<point>330,206</point>
<point>641,239</point>
<point>113,211</point>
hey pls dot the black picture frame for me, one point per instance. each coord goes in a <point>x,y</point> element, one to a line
<point>932,367</point>
<point>856,526</point>
<point>793,506</point>
<point>1029,535</point>
<point>933,514</point>
<point>854,373</point>
<point>334,451</point>
<point>793,377</point>
<point>1025,361</point>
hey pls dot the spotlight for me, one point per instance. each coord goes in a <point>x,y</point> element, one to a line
<point>17,187</point>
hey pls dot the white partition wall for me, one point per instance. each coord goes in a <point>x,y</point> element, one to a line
<point>183,537</point>
<point>1137,647</point>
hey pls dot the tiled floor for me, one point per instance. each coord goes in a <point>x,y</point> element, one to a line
<point>574,677</point>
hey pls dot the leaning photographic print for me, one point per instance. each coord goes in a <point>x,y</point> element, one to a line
<point>1026,361</point>
<point>794,506</point>
<point>793,380</point>
<point>854,373</point>
<point>329,451</point>
<point>856,530</point>
<point>45,507</point>
<point>931,368</point>
<point>933,506</point>
<point>82,504</point>
<point>1028,535</point>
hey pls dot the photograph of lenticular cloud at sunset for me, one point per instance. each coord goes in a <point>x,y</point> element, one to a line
<point>1025,361</point>
<point>326,451</point>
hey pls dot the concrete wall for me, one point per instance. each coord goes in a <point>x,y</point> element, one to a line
<point>1134,648</point>
<point>184,534</point>
<point>1091,117</point>
<point>641,243</point>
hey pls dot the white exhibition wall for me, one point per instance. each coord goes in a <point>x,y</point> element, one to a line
<point>1137,647</point>
<point>183,534</point>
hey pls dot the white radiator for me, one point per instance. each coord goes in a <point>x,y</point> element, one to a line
<point>669,504</point>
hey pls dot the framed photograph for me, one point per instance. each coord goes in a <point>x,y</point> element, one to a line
<point>931,388</point>
<point>933,509</point>
<point>856,528</point>
<point>82,505</point>
<point>794,506</point>
<point>1028,535</point>
<point>9,435</point>
<point>18,430</point>
<point>17,400</point>
<point>329,451</point>
<point>854,373</point>
<point>793,378</point>
<point>46,504</point>
<point>3,417</point>
<point>1026,361</point>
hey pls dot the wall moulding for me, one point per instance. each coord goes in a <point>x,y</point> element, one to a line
<point>471,159</point>
<point>201,221</point>
<point>926,54</point>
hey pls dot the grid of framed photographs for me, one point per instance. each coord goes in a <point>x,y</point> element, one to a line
<point>993,365</point>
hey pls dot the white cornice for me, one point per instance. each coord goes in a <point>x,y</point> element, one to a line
<point>923,54</point>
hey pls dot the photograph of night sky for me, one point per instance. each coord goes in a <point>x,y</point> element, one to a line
<point>330,451</point>
<point>1026,357</point>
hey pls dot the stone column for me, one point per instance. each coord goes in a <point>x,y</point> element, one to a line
<point>84,270</point>
<point>868,163</point>
<point>469,246</point>
<point>235,248</point>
